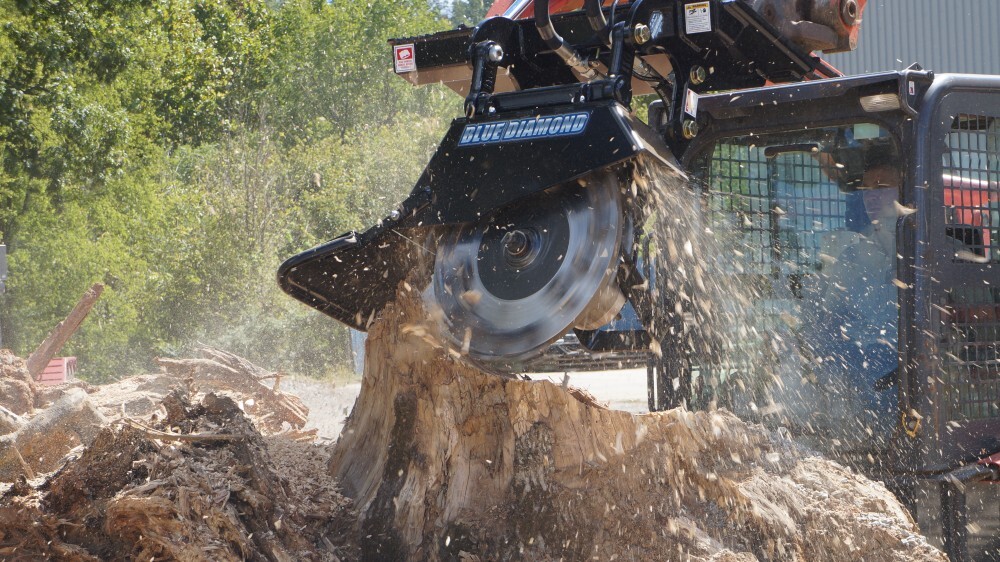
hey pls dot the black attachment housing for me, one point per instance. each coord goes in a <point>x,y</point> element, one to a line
<point>533,122</point>
<point>504,158</point>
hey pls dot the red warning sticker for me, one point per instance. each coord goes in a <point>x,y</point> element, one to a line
<point>404,58</point>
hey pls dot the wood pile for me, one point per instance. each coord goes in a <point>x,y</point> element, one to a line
<point>200,484</point>
<point>217,468</point>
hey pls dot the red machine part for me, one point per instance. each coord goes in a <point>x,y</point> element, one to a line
<point>831,26</point>
<point>848,24</point>
<point>498,8</point>
<point>555,6</point>
<point>970,199</point>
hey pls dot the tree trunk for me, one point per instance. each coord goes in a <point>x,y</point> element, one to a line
<point>58,337</point>
<point>448,463</point>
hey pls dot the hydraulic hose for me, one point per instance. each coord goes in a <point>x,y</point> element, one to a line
<point>595,15</point>
<point>599,23</point>
<point>548,33</point>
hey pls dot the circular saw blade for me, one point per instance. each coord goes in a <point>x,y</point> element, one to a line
<point>513,283</point>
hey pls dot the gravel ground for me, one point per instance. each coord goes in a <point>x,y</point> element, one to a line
<point>329,403</point>
<point>620,390</point>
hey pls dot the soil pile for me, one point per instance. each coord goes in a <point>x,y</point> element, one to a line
<point>55,420</point>
<point>257,391</point>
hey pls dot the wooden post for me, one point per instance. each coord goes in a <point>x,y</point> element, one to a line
<point>58,337</point>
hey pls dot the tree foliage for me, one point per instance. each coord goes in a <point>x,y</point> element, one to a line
<point>469,12</point>
<point>179,150</point>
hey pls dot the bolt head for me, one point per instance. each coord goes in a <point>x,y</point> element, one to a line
<point>698,75</point>
<point>642,34</point>
<point>690,129</point>
<point>496,53</point>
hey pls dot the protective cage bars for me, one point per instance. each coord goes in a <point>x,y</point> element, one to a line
<point>777,212</point>
<point>955,369</point>
<point>971,193</point>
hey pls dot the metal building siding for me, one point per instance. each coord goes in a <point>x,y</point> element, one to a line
<point>942,35</point>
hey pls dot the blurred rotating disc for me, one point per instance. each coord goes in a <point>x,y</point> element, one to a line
<point>513,283</point>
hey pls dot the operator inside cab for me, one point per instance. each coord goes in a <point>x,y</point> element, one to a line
<point>855,351</point>
<point>814,212</point>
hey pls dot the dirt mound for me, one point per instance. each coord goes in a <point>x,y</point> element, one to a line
<point>255,390</point>
<point>64,417</point>
<point>39,445</point>
<point>200,484</point>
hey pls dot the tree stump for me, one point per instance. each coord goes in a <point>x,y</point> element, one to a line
<point>445,462</point>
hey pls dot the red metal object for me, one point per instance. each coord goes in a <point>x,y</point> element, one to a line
<point>856,29</point>
<point>970,199</point>
<point>842,16</point>
<point>498,8</point>
<point>795,18</point>
<point>831,26</point>
<point>992,461</point>
<point>58,371</point>
<point>834,27</point>
<point>555,6</point>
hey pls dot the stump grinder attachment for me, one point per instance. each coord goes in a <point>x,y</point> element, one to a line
<point>529,211</point>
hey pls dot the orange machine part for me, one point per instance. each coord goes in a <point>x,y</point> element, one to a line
<point>555,6</point>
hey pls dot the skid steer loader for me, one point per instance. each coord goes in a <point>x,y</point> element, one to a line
<point>825,250</point>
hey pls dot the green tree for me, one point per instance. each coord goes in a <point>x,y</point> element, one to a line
<point>48,52</point>
<point>179,150</point>
<point>91,95</point>
<point>332,68</point>
<point>469,12</point>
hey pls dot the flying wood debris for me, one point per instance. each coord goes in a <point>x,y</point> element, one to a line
<point>446,462</point>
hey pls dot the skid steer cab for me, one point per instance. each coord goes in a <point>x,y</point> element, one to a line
<point>863,214</point>
<point>818,252</point>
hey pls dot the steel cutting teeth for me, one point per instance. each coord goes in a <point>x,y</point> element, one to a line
<point>513,283</point>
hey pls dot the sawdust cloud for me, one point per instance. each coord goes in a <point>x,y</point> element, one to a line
<point>724,302</point>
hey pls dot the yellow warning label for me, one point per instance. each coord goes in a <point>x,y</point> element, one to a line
<point>698,17</point>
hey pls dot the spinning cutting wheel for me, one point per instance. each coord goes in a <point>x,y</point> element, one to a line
<point>516,281</point>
